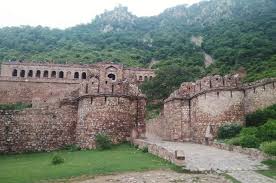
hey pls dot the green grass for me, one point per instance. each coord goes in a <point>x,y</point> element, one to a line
<point>34,167</point>
<point>231,178</point>
<point>272,169</point>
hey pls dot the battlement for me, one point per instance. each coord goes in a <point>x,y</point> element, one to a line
<point>216,82</point>
<point>110,87</point>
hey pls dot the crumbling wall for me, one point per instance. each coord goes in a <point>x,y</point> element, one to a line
<point>37,129</point>
<point>18,90</point>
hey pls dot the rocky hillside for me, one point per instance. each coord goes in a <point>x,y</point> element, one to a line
<point>216,36</point>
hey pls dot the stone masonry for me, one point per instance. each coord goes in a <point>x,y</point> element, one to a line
<point>70,104</point>
<point>195,111</point>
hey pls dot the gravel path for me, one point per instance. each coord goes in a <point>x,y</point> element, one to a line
<point>205,158</point>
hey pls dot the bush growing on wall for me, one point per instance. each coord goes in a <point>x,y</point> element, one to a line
<point>103,142</point>
<point>229,131</point>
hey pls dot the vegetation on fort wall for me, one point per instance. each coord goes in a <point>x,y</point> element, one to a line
<point>37,167</point>
<point>236,33</point>
<point>15,106</point>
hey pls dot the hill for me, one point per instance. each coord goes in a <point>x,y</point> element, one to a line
<point>184,42</point>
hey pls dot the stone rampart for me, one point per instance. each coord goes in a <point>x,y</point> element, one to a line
<point>195,111</point>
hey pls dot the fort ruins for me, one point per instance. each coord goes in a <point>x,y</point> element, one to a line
<point>70,104</point>
<point>73,103</point>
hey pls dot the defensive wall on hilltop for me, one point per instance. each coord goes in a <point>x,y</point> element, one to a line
<point>66,110</point>
<point>195,111</point>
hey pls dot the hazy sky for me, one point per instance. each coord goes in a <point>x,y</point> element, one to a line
<point>67,13</point>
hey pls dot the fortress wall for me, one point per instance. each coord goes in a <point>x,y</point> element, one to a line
<point>176,120</point>
<point>18,90</point>
<point>260,96</point>
<point>155,128</point>
<point>173,114</point>
<point>115,116</point>
<point>51,71</point>
<point>215,108</point>
<point>37,129</point>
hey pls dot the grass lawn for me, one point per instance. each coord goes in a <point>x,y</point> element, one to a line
<point>34,167</point>
<point>272,169</point>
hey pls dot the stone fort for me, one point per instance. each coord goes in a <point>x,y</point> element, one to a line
<point>73,103</point>
<point>70,104</point>
<point>196,110</point>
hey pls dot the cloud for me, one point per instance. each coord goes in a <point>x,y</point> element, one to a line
<point>67,13</point>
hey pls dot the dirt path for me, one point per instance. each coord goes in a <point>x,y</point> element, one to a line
<point>159,176</point>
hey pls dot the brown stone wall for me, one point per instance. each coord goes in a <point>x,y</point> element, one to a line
<point>176,114</point>
<point>211,101</point>
<point>260,96</point>
<point>20,90</point>
<point>173,123</point>
<point>156,129</point>
<point>215,108</point>
<point>114,116</point>
<point>37,129</point>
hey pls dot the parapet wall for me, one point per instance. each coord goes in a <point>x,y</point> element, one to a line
<point>195,111</point>
<point>37,129</point>
<point>259,95</point>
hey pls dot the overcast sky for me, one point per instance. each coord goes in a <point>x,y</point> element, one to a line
<point>67,13</point>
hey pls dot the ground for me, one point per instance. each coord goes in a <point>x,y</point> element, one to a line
<point>125,164</point>
<point>210,159</point>
<point>159,176</point>
<point>33,167</point>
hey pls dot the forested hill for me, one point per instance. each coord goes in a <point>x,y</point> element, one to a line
<point>231,35</point>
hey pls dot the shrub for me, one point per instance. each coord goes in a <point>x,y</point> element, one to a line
<point>249,141</point>
<point>234,141</point>
<point>72,147</point>
<point>145,150</point>
<point>229,131</point>
<point>103,142</point>
<point>260,117</point>
<point>269,147</point>
<point>57,160</point>
<point>267,132</point>
<point>248,131</point>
